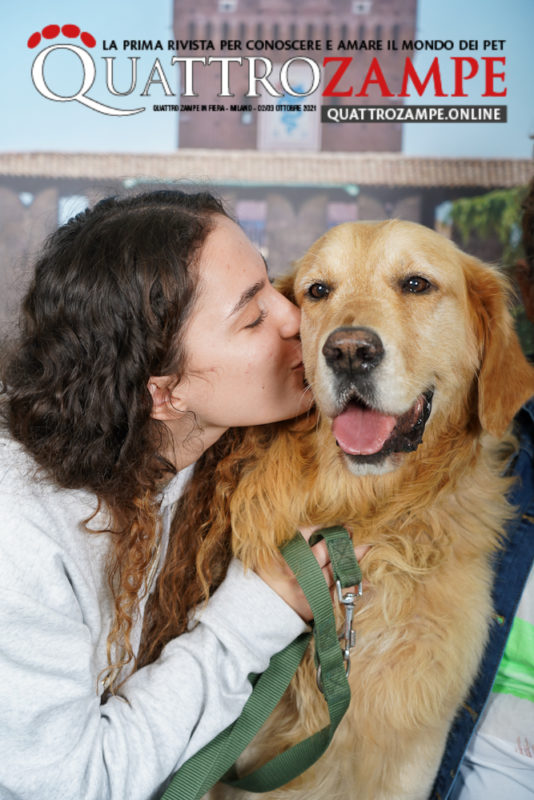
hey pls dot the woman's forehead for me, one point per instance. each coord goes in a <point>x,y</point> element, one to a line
<point>229,267</point>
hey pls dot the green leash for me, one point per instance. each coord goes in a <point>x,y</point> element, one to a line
<point>215,761</point>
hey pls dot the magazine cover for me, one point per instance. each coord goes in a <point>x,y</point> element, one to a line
<point>171,422</point>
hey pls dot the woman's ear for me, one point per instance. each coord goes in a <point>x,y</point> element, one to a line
<point>167,403</point>
<point>506,379</point>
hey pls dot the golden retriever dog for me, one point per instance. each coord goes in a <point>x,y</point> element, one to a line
<point>417,373</point>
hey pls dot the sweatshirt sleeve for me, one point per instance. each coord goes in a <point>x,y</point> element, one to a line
<point>56,738</point>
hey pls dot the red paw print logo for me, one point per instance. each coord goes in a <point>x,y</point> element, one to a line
<point>53,31</point>
<point>81,58</point>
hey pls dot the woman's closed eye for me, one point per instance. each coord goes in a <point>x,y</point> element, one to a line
<point>259,319</point>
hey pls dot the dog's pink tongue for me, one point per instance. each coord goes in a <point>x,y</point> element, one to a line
<point>362,432</point>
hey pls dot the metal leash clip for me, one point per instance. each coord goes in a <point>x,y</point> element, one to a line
<point>348,637</point>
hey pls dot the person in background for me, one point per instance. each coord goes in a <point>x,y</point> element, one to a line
<point>490,751</point>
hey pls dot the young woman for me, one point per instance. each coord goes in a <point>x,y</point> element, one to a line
<point>150,328</point>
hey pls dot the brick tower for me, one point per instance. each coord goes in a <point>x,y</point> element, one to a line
<point>280,20</point>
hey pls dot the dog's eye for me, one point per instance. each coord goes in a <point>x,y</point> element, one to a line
<point>318,291</point>
<point>415,284</point>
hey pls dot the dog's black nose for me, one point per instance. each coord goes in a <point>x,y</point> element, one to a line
<point>353,350</point>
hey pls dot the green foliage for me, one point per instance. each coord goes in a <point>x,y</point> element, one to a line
<point>496,212</point>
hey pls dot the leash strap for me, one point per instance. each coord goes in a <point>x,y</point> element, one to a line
<point>215,760</point>
<point>205,768</point>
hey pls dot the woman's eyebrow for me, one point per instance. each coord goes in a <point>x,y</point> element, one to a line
<point>247,296</point>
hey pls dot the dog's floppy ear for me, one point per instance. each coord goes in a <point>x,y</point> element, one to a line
<point>506,379</point>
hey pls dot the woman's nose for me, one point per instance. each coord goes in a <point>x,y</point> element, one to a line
<point>289,318</point>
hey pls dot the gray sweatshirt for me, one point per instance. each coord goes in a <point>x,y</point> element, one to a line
<point>57,740</point>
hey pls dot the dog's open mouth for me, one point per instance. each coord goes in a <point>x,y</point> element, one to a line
<point>369,435</point>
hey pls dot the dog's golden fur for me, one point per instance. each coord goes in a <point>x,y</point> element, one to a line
<point>433,517</point>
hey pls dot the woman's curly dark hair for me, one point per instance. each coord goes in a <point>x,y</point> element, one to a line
<point>199,549</point>
<point>105,311</point>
